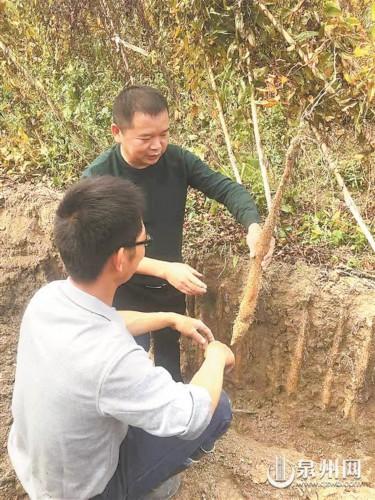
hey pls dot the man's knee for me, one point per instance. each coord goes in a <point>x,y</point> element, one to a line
<point>222,416</point>
<point>224,408</point>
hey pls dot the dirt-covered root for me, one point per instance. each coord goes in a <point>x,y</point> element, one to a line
<point>332,359</point>
<point>297,358</point>
<point>360,385</point>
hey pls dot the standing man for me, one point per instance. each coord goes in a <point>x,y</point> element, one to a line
<point>164,172</point>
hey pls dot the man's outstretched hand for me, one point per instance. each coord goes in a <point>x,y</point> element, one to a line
<point>252,240</point>
<point>185,278</point>
<point>193,328</point>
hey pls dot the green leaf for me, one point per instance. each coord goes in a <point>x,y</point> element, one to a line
<point>361,51</point>
<point>287,209</point>
<point>372,12</point>
<point>352,21</point>
<point>332,9</point>
<point>306,35</point>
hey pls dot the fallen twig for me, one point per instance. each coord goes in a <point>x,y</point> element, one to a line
<point>356,272</point>
<point>242,411</point>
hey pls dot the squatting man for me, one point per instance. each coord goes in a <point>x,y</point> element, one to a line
<point>92,416</point>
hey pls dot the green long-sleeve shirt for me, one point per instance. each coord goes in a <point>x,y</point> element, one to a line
<point>165,187</point>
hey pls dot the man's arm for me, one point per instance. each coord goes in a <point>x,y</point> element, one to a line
<point>231,194</point>
<point>182,276</point>
<point>139,394</point>
<point>234,196</point>
<point>139,323</point>
<point>210,375</point>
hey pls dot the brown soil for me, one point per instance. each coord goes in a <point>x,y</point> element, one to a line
<point>304,385</point>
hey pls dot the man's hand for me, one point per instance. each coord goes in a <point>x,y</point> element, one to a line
<point>193,328</point>
<point>184,278</point>
<point>218,358</point>
<point>252,240</point>
<point>216,349</point>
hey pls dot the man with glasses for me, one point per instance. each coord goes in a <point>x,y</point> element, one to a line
<point>92,416</point>
<point>164,172</point>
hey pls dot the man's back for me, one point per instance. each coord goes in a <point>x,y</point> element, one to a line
<point>64,349</point>
<point>81,380</point>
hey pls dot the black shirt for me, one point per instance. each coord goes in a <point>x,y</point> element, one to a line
<point>165,188</point>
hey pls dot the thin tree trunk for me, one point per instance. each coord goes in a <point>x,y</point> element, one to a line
<point>112,33</point>
<point>258,142</point>
<point>340,181</point>
<point>228,143</point>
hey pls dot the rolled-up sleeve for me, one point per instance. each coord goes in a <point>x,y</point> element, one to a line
<point>135,392</point>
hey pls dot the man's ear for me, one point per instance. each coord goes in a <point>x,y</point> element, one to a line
<point>116,131</point>
<point>119,260</point>
<point>122,258</point>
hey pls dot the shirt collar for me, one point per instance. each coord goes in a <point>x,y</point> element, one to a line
<point>90,302</point>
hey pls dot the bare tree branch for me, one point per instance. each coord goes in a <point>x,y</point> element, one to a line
<point>340,181</point>
<point>130,46</point>
<point>258,142</point>
<point>228,143</point>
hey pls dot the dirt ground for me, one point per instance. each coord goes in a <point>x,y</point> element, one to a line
<point>303,388</point>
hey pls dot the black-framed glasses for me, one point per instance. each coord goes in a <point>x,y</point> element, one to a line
<point>146,242</point>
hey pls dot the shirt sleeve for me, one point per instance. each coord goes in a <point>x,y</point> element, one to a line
<point>137,393</point>
<point>222,189</point>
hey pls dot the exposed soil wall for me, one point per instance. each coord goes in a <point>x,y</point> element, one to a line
<point>304,387</point>
<point>313,335</point>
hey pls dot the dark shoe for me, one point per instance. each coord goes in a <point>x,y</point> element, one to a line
<point>165,490</point>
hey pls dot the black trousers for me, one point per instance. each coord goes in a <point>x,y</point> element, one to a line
<point>134,297</point>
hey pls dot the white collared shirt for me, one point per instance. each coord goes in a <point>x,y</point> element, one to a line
<point>81,379</point>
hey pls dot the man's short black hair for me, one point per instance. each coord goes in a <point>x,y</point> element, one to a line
<point>139,98</point>
<point>94,219</point>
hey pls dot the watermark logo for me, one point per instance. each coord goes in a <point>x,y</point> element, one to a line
<point>277,475</point>
<point>309,474</point>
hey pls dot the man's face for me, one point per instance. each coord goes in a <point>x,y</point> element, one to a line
<point>143,143</point>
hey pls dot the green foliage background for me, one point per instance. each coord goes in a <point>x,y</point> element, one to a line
<point>61,68</point>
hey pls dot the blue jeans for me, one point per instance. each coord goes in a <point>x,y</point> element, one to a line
<point>145,461</point>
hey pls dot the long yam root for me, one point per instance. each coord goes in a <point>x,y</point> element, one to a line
<point>249,300</point>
